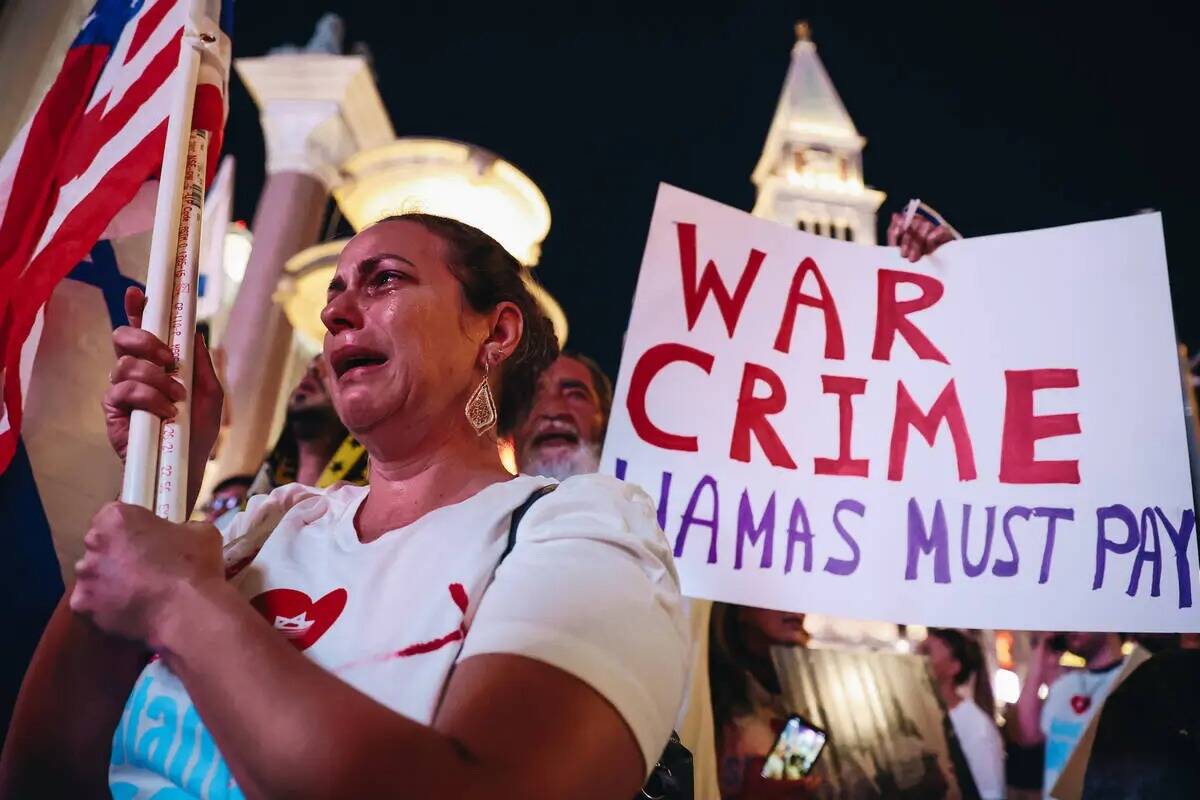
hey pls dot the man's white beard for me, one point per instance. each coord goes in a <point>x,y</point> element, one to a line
<point>583,459</point>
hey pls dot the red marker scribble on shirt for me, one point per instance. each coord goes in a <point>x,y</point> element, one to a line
<point>459,595</point>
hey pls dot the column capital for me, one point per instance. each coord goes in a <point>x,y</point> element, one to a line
<point>317,110</point>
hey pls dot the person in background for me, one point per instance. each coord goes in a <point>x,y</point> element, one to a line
<point>954,659</point>
<point>748,709</point>
<point>228,495</point>
<point>563,432</point>
<point>314,448</point>
<point>1074,696</point>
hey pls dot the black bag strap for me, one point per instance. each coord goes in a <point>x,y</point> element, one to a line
<point>518,513</point>
<point>514,521</point>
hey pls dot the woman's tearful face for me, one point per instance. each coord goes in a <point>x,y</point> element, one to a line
<point>402,343</point>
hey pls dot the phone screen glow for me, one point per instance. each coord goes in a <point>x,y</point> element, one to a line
<point>795,751</point>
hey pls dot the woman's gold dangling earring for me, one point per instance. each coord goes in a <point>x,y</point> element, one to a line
<point>481,407</point>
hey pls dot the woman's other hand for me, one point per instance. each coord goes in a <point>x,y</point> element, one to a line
<point>135,563</point>
<point>140,381</point>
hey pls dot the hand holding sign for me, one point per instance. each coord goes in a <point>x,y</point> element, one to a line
<point>916,237</point>
<point>918,443</point>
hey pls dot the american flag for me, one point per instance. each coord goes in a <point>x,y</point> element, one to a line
<point>95,140</point>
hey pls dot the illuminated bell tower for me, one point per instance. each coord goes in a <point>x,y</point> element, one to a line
<point>810,177</point>
<point>810,172</point>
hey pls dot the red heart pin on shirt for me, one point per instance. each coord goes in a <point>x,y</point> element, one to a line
<point>294,614</point>
<point>1080,703</point>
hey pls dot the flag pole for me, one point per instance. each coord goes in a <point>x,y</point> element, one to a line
<point>174,442</point>
<point>142,479</point>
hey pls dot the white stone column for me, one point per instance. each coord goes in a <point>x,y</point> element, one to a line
<point>316,110</point>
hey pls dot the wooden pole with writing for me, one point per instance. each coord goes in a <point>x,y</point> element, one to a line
<point>150,480</point>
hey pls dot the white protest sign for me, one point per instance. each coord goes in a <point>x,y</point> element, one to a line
<point>991,438</point>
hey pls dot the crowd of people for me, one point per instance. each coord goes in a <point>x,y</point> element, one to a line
<point>496,636</point>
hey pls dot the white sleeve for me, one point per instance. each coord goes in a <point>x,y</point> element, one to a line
<point>591,589</point>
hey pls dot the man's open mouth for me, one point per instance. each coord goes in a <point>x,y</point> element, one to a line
<point>556,438</point>
<point>354,360</point>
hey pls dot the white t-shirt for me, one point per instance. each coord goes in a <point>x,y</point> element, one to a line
<point>590,588</point>
<point>1073,700</point>
<point>982,747</point>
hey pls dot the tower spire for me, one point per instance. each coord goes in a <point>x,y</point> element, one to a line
<point>810,171</point>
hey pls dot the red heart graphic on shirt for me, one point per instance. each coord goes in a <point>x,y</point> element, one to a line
<point>293,613</point>
<point>1080,703</point>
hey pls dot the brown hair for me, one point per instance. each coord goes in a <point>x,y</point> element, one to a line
<point>489,276</point>
<point>729,666</point>
<point>966,650</point>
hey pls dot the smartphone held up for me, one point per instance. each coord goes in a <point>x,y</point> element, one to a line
<point>795,751</point>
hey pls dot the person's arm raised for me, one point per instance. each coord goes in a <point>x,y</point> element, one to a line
<point>1043,669</point>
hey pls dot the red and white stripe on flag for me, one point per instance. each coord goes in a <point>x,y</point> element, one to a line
<point>96,138</point>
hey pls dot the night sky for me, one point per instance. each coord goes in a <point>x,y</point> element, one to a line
<point>1003,118</point>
